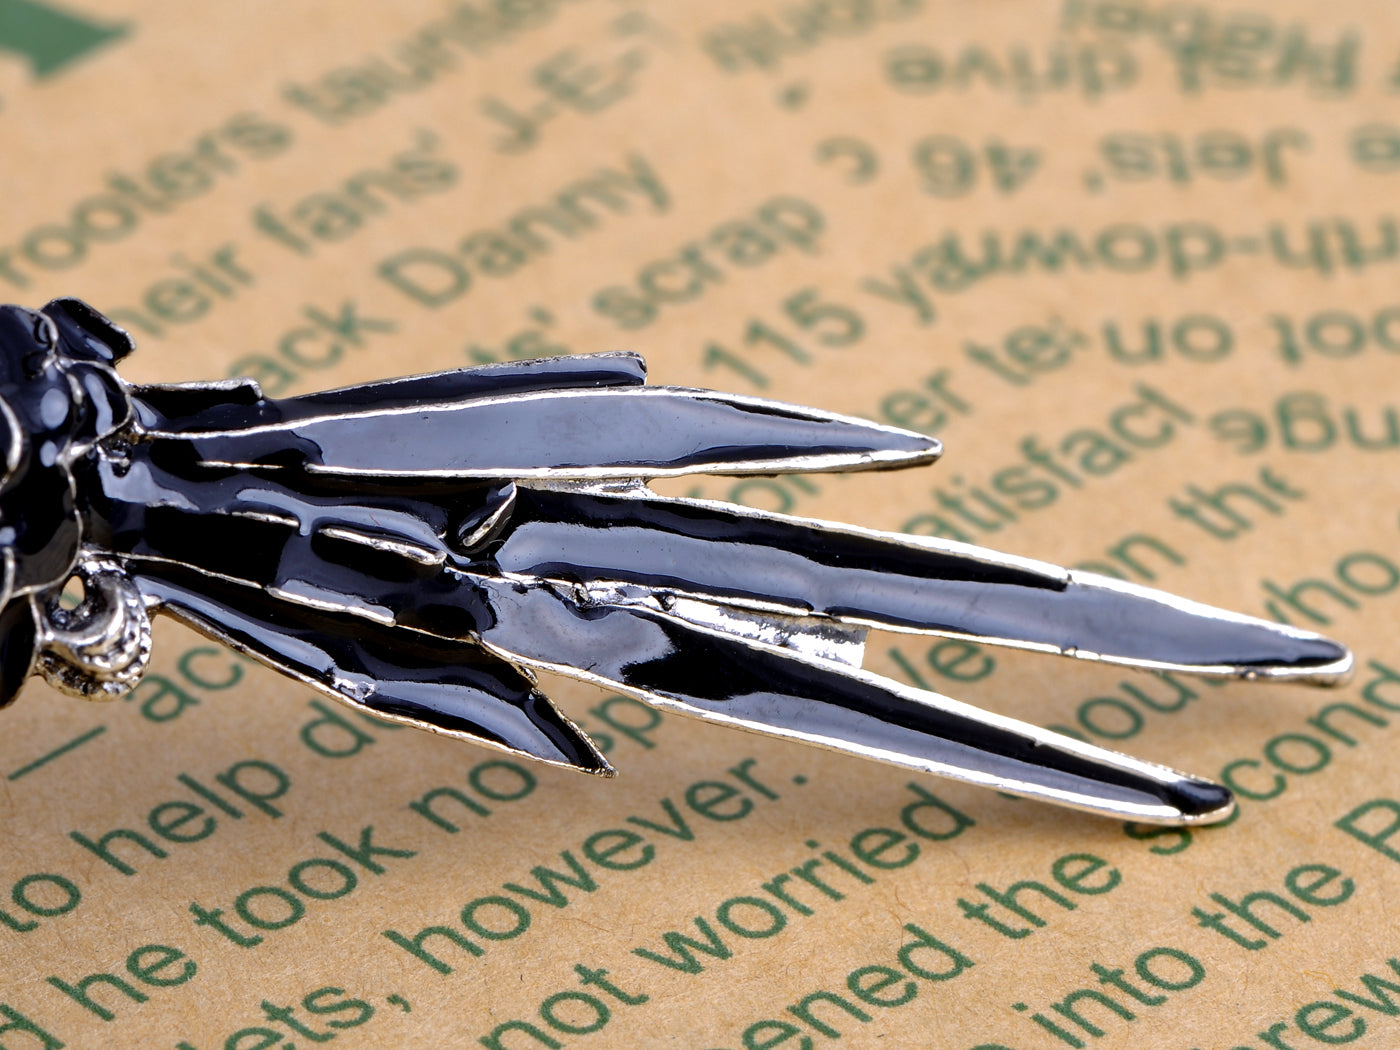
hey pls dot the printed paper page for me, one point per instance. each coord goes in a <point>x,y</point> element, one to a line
<point>1134,263</point>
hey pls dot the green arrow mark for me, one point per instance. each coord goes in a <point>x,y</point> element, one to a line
<point>50,38</point>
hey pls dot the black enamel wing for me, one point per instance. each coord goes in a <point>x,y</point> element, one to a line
<point>418,548</point>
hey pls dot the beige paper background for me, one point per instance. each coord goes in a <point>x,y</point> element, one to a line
<point>723,143</point>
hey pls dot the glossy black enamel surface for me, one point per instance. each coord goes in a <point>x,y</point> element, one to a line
<point>649,654</point>
<point>59,397</point>
<point>192,411</point>
<point>426,680</point>
<point>621,432</point>
<point>416,547</point>
<point>865,577</point>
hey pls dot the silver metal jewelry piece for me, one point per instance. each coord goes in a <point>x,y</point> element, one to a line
<point>99,649</point>
<point>419,548</point>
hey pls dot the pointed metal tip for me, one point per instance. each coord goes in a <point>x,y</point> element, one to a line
<point>1089,778</point>
<point>1123,623</point>
<point>900,448</point>
<point>1199,801</point>
<point>1324,663</point>
<point>600,768</point>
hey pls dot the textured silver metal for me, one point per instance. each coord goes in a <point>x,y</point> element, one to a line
<point>100,649</point>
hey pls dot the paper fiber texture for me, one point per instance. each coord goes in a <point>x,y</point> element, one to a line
<point>1134,263</point>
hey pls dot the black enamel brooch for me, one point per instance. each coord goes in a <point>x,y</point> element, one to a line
<point>418,548</point>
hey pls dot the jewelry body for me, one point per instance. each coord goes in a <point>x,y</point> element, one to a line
<point>419,547</point>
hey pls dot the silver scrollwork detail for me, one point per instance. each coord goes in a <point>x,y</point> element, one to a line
<point>98,650</point>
